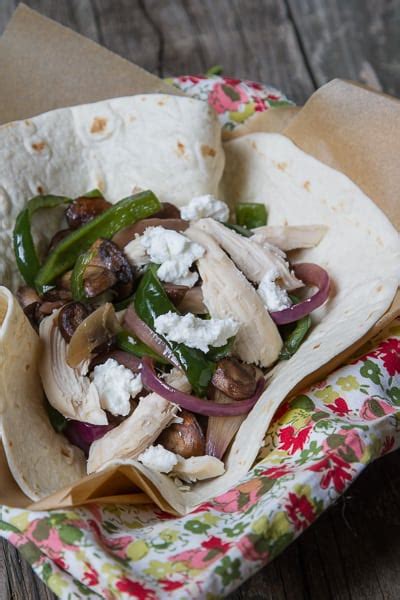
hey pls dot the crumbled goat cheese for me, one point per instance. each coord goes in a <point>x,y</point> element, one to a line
<point>205,206</point>
<point>116,384</point>
<point>195,332</point>
<point>175,254</point>
<point>274,297</point>
<point>158,458</point>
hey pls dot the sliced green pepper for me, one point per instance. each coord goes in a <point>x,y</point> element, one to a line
<point>96,193</point>
<point>295,338</point>
<point>240,230</point>
<point>123,213</point>
<point>216,354</point>
<point>127,342</point>
<point>57,420</point>
<point>78,275</point>
<point>25,252</point>
<point>251,214</point>
<point>151,301</point>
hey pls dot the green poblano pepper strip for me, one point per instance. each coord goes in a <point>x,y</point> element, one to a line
<point>57,420</point>
<point>78,275</point>
<point>96,193</point>
<point>295,338</point>
<point>25,252</point>
<point>251,214</point>
<point>123,213</point>
<point>239,229</point>
<point>216,354</point>
<point>127,342</point>
<point>150,302</point>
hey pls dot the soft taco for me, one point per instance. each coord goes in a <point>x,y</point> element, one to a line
<point>179,290</point>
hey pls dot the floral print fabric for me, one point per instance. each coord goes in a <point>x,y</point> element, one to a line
<point>318,444</point>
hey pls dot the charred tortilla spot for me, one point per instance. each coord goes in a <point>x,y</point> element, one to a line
<point>282,166</point>
<point>99,124</point>
<point>39,146</point>
<point>181,148</point>
<point>207,151</point>
<point>306,185</point>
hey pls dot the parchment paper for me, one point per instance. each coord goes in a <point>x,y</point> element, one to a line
<point>347,126</point>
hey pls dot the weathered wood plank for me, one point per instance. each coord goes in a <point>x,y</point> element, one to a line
<point>356,39</point>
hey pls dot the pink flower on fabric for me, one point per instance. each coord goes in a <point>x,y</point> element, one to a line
<point>249,551</point>
<point>339,406</point>
<point>211,551</point>
<point>240,499</point>
<point>135,589</point>
<point>291,440</point>
<point>334,470</point>
<point>374,408</point>
<point>300,511</point>
<point>225,97</point>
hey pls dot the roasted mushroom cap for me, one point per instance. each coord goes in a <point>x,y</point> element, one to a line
<point>83,209</point>
<point>235,379</point>
<point>108,268</point>
<point>70,317</point>
<point>57,238</point>
<point>168,211</point>
<point>185,439</point>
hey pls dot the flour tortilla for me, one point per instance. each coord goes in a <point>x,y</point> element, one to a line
<point>360,251</point>
<point>40,460</point>
<point>170,144</point>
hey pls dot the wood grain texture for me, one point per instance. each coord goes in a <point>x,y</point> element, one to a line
<point>357,39</point>
<point>352,552</point>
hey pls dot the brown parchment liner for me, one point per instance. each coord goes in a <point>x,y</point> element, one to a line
<point>345,125</point>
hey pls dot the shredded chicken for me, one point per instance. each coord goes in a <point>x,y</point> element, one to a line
<point>67,389</point>
<point>254,260</point>
<point>289,237</point>
<point>197,468</point>
<point>152,415</point>
<point>227,293</point>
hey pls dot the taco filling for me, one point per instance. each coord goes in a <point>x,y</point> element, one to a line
<point>158,324</point>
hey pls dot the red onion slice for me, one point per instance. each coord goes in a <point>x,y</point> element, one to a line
<point>135,325</point>
<point>310,274</point>
<point>193,403</point>
<point>84,434</point>
<point>123,358</point>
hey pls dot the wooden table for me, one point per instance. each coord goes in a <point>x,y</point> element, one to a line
<point>353,551</point>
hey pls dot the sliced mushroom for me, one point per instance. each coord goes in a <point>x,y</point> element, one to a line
<point>57,238</point>
<point>30,303</point>
<point>123,237</point>
<point>198,468</point>
<point>186,438</point>
<point>152,415</point>
<point>83,209</point>
<point>254,260</point>
<point>227,293</point>
<point>235,379</point>
<point>193,302</point>
<point>289,237</point>
<point>220,430</point>
<point>98,328</point>
<point>70,317</point>
<point>175,292</point>
<point>69,392</point>
<point>108,267</point>
<point>52,300</point>
<point>168,211</point>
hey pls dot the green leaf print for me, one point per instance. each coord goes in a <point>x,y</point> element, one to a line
<point>303,402</point>
<point>394,395</point>
<point>30,552</point>
<point>42,530</point>
<point>46,572</point>
<point>371,371</point>
<point>4,526</point>
<point>229,570</point>
<point>70,534</point>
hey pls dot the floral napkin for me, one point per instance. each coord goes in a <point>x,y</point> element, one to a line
<point>318,444</point>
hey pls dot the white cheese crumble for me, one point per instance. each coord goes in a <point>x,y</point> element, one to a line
<point>195,332</point>
<point>116,384</point>
<point>205,206</point>
<point>158,458</point>
<point>274,297</point>
<point>175,254</point>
